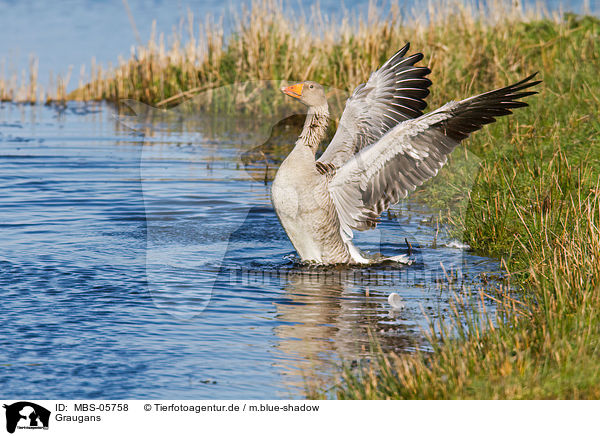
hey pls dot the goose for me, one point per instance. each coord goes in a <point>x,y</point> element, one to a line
<point>384,148</point>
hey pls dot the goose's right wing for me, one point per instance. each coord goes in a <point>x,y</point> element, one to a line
<point>393,94</point>
<point>412,153</point>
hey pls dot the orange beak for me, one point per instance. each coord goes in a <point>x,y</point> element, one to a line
<point>293,90</point>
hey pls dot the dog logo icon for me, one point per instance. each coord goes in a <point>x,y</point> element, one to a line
<point>26,415</point>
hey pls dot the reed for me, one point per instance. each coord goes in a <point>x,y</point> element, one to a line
<point>270,40</point>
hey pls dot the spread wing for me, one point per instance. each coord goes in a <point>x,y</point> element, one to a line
<point>412,153</point>
<point>393,94</point>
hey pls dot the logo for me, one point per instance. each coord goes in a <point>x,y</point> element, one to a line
<point>26,415</point>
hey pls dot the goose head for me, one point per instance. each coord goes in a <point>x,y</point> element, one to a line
<point>309,93</point>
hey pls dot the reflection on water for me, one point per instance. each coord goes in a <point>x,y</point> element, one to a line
<point>328,317</point>
<point>137,265</point>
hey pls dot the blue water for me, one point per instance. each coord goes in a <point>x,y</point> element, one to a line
<point>146,265</point>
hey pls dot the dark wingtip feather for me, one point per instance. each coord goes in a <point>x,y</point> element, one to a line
<point>399,54</point>
<point>528,78</point>
<point>523,94</point>
<point>413,59</point>
<point>472,113</point>
<point>522,84</point>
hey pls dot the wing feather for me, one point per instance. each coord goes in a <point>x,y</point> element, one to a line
<point>412,153</point>
<point>393,94</point>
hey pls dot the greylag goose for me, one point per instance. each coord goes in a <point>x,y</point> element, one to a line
<point>383,149</point>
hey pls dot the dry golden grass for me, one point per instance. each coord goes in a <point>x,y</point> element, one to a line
<point>274,41</point>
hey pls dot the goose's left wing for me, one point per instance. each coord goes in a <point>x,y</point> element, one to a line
<point>394,93</point>
<point>412,153</point>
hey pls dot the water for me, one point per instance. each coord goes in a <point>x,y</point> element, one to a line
<point>71,32</point>
<point>138,266</point>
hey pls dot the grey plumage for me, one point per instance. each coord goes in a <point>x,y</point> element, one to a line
<point>393,94</point>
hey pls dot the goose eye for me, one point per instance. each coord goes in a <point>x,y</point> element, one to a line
<point>311,86</point>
